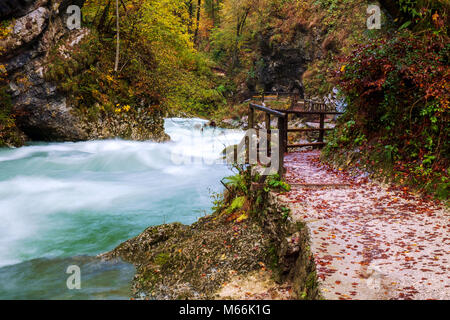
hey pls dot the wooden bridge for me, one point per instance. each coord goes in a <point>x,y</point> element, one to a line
<point>298,107</point>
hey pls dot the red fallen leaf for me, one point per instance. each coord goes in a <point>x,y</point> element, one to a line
<point>337,282</point>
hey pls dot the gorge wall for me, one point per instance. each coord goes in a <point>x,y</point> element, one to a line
<point>32,32</point>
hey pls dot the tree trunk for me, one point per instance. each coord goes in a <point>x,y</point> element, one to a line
<point>116,67</point>
<point>199,7</point>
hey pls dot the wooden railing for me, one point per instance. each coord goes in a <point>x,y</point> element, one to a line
<point>295,101</point>
<point>283,121</point>
<point>321,129</point>
<point>281,126</point>
<point>284,130</point>
<point>273,95</point>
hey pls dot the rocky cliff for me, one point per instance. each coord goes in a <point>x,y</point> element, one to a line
<point>284,55</point>
<point>32,31</point>
<point>282,65</point>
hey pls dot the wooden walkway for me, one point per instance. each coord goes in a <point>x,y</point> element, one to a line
<point>369,241</point>
<point>298,108</point>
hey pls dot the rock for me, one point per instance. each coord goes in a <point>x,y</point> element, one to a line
<point>25,29</point>
<point>41,111</point>
<point>14,8</point>
<point>282,65</point>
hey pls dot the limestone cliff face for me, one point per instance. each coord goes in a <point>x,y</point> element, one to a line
<point>41,111</point>
<point>282,64</point>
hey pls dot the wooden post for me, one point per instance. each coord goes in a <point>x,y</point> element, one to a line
<point>293,102</point>
<point>281,145</point>
<point>268,133</point>
<point>286,127</point>
<point>322,127</point>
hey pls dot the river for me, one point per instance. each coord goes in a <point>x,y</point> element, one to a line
<point>62,204</point>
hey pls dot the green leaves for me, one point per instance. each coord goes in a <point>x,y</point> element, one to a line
<point>275,182</point>
<point>237,182</point>
<point>405,25</point>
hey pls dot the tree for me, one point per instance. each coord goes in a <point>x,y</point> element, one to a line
<point>199,8</point>
<point>116,66</point>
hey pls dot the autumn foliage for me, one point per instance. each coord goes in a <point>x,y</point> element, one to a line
<point>398,90</point>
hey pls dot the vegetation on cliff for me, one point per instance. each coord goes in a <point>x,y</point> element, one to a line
<point>9,134</point>
<point>158,65</point>
<point>398,89</point>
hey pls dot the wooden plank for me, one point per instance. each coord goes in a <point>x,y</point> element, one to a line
<point>312,144</point>
<point>307,112</point>
<point>309,129</point>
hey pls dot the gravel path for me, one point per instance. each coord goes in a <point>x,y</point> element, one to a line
<point>369,241</point>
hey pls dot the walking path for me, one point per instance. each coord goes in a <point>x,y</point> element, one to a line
<point>369,241</point>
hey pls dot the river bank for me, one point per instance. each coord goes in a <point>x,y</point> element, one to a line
<point>250,250</point>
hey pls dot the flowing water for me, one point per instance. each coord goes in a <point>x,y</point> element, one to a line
<point>61,204</point>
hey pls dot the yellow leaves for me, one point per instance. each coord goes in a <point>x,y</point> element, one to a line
<point>435,17</point>
<point>119,109</point>
<point>343,68</point>
<point>4,32</point>
<point>242,217</point>
<point>3,72</point>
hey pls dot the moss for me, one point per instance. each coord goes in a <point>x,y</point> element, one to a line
<point>300,226</point>
<point>272,253</point>
<point>10,135</point>
<point>237,204</point>
<point>162,259</point>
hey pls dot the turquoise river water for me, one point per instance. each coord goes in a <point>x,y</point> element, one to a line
<point>61,204</point>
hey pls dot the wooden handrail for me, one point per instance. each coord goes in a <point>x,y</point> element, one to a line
<point>281,124</point>
<point>321,128</point>
<point>309,129</point>
<point>308,112</point>
<point>267,110</point>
